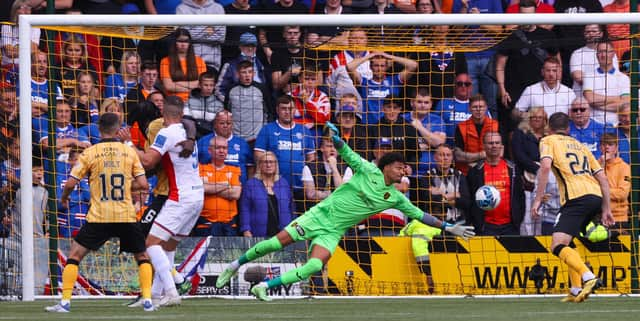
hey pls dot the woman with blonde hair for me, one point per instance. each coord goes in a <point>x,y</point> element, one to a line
<point>91,133</point>
<point>266,203</point>
<point>85,101</point>
<point>526,154</point>
<point>118,84</point>
<point>74,60</point>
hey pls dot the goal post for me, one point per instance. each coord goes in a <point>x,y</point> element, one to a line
<point>26,22</point>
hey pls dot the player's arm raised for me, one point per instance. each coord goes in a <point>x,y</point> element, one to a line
<point>352,158</point>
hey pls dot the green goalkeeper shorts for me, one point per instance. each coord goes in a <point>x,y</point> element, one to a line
<point>310,227</point>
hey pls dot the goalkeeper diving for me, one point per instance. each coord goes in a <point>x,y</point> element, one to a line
<point>370,191</point>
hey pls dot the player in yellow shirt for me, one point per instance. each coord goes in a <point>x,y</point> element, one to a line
<point>114,169</point>
<point>584,194</point>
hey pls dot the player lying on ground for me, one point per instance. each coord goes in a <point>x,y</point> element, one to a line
<point>371,190</point>
<point>112,167</point>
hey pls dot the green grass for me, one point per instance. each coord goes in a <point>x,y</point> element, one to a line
<point>475,309</point>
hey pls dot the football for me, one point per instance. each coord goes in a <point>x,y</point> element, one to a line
<point>487,197</point>
<point>255,274</point>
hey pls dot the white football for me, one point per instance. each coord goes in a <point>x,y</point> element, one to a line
<point>487,197</point>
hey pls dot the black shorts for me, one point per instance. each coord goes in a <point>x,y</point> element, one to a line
<point>94,235</point>
<point>575,214</point>
<point>151,212</point>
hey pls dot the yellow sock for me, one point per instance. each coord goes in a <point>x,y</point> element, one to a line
<point>575,278</point>
<point>69,277</point>
<point>570,257</point>
<point>146,277</point>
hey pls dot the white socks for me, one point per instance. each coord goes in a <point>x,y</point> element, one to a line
<point>163,269</point>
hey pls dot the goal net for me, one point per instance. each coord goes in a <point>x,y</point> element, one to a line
<point>391,83</point>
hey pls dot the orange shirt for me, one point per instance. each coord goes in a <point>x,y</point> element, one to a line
<point>164,73</point>
<point>498,176</point>
<point>217,209</point>
<point>618,30</point>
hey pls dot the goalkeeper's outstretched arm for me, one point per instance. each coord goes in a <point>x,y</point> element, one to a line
<point>352,158</point>
<point>406,207</point>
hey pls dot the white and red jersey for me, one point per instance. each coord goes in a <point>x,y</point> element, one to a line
<point>344,57</point>
<point>315,111</point>
<point>183,173</point>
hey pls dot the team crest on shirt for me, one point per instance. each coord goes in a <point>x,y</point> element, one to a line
<point>299,229</point>
<point>299,135</point>
<point>236,147</point>
<point>160,140</point>
<point>387,195</point>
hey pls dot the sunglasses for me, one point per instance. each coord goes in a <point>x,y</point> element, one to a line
<point>575,110</point>
<point>463,83</point>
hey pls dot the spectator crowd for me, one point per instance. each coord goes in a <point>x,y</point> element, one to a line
<point>259,97</point>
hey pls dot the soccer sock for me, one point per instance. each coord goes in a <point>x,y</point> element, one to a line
<point>177,277</point>
<point>156,286</point>
<point>69,277</point>
<point>262,248</point>
<point>571,258</point>
<point>163,269</point>
<point>298,274</point>
<point>146,274</point>
<point>575,278</point>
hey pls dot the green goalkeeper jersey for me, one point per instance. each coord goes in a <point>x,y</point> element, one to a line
<point>365,194</point>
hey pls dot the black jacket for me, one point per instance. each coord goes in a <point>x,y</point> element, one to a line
<point>475,178</point>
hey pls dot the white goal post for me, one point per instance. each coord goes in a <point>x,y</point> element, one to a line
<point>28,21</point>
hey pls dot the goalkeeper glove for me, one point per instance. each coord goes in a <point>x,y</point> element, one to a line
<point>463,231</point>
<point>332,131</point>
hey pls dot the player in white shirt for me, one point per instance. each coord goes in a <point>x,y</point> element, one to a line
<point>184,204</point>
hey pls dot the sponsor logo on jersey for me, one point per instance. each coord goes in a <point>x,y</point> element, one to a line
<point>387,195</point>
<point>299,229</point>
<point>160,140</point>
<point>289,145</point>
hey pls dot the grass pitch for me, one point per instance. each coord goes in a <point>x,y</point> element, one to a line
<point>397,309</point>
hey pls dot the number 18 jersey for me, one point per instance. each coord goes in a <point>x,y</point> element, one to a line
<point>573,165</point>
<point>111,166</point>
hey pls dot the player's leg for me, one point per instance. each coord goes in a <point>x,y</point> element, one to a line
<point>576,286</point>
<point>145,275</point>
<point>160,261</point>
<point>572,219</point>
<point>69,277</point>
<point>318,258</point>
<point>91,237</point>
<point>276,243</point>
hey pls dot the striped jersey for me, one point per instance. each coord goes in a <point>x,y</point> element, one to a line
<point>573,165</point>
<point>111,166</point>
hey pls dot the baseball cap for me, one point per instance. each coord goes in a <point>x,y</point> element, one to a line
<point>248,39</point>
<point>383,141</point>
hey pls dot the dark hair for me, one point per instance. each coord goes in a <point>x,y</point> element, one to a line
<point>148,65</point>
<point>476,97</point>
<point>108,123</point>
<point>527,4</point>
<point>284,99</point>
<point>389,158</point>
<point>173,106</point>
<point>559,121</point>
<point>245,64</point>
<point>390,100</point>
<point>207,75</point>
<point>609,138</point>
<point>143,114</point>
<point>422,91</point>
<point>175,70</point>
